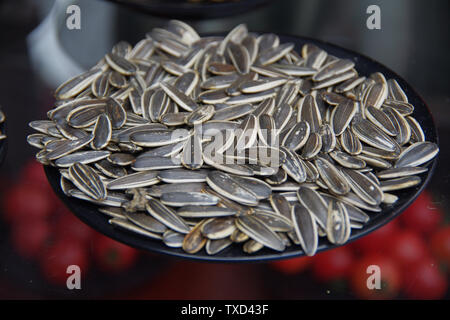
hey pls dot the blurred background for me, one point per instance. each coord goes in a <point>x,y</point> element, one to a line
<point>38,234</point>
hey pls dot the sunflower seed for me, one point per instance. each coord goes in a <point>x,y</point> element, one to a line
<point>84,157</point>
<point>347,160</point>
<point>312,200</point>
<point>332,177</point>
<point>274,54</point>
<point>258,187</point>
<point>215,246</point>
<point>328,138</point>
<point>102,132</point>
<point>338,223</point>
<point>180,199</point>
<point>342,115</point>
<point>309,112</point>
<point>120,64</point>
<point>395,92</point>
<point>251,97</point>
<point>100,85</point>
<point>297,136</point>
<point>375,95</point>
<point>332,69</point>
<point>350,142</point>
<point>87,181</point>
<point>305,228</point>
<point>156,138</point>
<point>224,184</point>
<point>374,161</point>
<point>417,134</point>
<point>173,239</point>
<point>294,166</point>
<point>266,130</point>
<point>282,115</point>
<point>400,172</point>
<point>274,221</point>
<point>239,57</point>
<point>110,170</point>
<point>145,221</point>
<point>179,97</point>
<point>233,168</point>
<point>400,183</point>
<point>158,190</point>
<point>252,246</point>
<point>121,159</point>
<point>404,108</point>
<point>166,216</point>
<point>364,187</point>
<point>218,228</point>
<point>260,232</point>
<point>221,82</point>
<point>278,178</point>
<point>202,211</point>
<point>403,129</point>
<point>155,163</point>
<point>77,84</point>
<point>417,154</point>
<point>389,198</point>
<point>372,135</point>
<point>255,86</point>
<point>293,70</point>
<point>354,214</point>
<point>312,147</point>
<point>194,241</point>
<point>134,180</point>
<point>200,115</point>
<point>233,112</point>
<point>117,80</point>
<point>68,146</point>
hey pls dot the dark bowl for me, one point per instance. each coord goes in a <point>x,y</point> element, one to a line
<point>89,214</point>
<point>182,9</point>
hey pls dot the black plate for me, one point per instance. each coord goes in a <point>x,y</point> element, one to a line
<point>88,212</point>
<point>182,9</point>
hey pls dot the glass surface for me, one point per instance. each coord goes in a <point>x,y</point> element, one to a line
<point>38,52</point>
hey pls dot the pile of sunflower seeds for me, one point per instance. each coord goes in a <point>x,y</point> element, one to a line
<point>219,141</point>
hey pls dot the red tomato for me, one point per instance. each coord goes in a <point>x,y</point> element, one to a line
<point>440,245</point>
<point>407,248</point>
<point>68,225</point>
<point>422,215</point>
<point>333,264</point>
<point>113,256</point>
<point>390,277</point>
<point>59,256</point>
<point>424,281</point>
<point>30,238</point>
<point>377,241</point>
<point>27,202</point>
<point>292,266</point>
